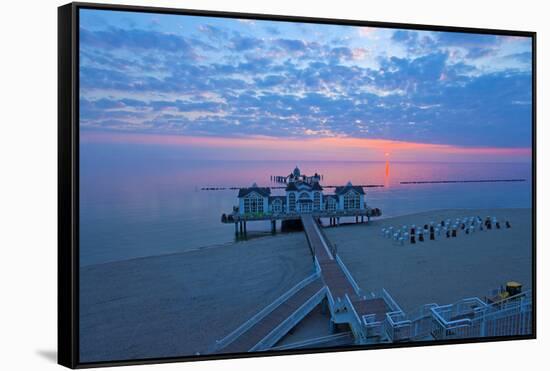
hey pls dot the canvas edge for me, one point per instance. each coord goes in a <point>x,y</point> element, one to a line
<point>67,267</point>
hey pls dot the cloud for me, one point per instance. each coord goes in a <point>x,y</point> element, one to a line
<point>291,45</point>
<point>223,81</point>
<point>525,57</point>
<point>468,40</point>
<point>112,38</point>
<point>366,31</point>
<point>240,43</point>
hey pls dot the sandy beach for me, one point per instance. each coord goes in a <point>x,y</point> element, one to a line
<point>179,304</point>
<point>441,271</point>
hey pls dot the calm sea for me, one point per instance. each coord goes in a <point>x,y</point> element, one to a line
<point>136,207</point>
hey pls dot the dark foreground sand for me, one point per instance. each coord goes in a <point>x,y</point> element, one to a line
<point>175,305</point>
<point>441,271</point>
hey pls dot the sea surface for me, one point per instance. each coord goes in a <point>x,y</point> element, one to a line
<point>138,206</point>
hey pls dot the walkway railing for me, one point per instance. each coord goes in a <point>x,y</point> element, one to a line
<point>474,318</point>
<point>390,302</point>
<point>512,317</point>
<point>397,326</point>
<point>342,337</point>
<point>355,322</point>
<point>222,343</point>
<point>350,278</point>
<point>413,326</point>
<point>282,329</point>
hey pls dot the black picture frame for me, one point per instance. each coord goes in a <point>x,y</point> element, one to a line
<point>68,179</point>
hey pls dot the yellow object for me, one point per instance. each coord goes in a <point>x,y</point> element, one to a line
<point>513,288</point>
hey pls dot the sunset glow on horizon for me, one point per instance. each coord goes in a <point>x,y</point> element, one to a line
<point>337,149</point>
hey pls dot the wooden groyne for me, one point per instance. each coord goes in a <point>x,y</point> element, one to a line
<point>462,181</point>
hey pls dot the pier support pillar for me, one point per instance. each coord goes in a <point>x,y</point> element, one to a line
<point>236,228</point>
<point>273,226</point>
<point>338,221</point>
<point>244,227</point>
<point>356,219</point>
<point>241,227</point>
<point>362,219</point>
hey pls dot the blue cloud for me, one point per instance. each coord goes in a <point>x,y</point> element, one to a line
<point>245,43</point>
<point>227,81</point>
<point>134,39</point>
<point>468,40</point>
<point>291,45</point>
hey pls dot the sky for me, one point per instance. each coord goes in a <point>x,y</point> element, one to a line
<point>242,89</point>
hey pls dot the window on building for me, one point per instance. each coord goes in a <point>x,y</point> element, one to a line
<point>304,196</point>
<point>305,207</point>
<point>331,204</point>
<point>317,201</point>
<point>352,201</point>
<point>292,202</point>
<point>253,203</point>
<point>277,206</point>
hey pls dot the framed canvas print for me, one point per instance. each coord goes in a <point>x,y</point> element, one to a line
<point>236,185</point>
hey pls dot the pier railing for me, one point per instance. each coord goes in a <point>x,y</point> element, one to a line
<point>513,318</point>
<point>422,322</point>
<point>389,301</point>
<point>350,278</point>
<point>473,318</point>
<point>341,338</point>
<point>397,326</point>
<point>360,331</point>
<point>235,217</point>
<point>282,329</point>
<point>222,343</point>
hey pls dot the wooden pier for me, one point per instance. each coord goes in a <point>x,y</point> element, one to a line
<point>332,284</point>
<point>240,221</point>
<point>332,271</point>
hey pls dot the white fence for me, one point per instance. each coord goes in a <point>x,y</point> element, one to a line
<point>474,318</point>
<point>222,343</point>
<point>282,329</point>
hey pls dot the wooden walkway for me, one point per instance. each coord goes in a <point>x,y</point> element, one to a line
<point>248,339</point>
<point>333,275</point>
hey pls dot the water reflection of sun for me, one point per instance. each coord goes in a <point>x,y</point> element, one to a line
<point>387,174</point>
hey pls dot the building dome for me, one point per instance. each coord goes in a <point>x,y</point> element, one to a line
<point>296,172</point>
